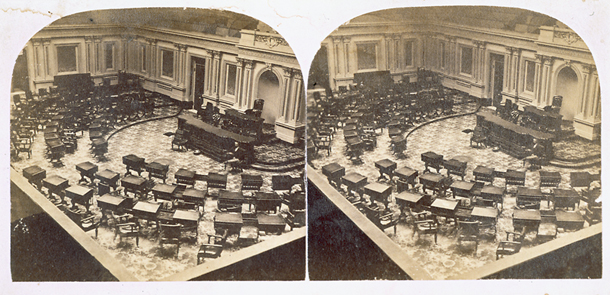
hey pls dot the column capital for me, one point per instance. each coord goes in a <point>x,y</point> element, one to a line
<point>151,41</point>
<point>588,69</point>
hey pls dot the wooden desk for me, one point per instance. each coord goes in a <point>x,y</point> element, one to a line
<point>526,218</point>
<point>271,223</point>
<point>334,172</point>
<point>157,170</point>
<point>216,180</point>
<point>350,134</point>
<point>484,214</point>
<point>185,177</point>
<point>194,196</point>
<point>186,218</point>
<point>267,201</point>
<point>529,197</point>
<point>35,175</point>
<point>444,207</point>
<point>565,198</point>
<point>212,141</point>
<point>511,138</point>
<point>455,167</point>
<point>114,203</point>
<point>431,181</point>
<point>245,125</point>
<point>146,211</point>
<point>570,220</point>
<point>433,160</point>
<point>378,191</point>
<point>55,184</point>
<point>251,182</point>
<point>514,177</point>
<point>482,173</point>
<point>385,166</point>
<point>549,179</point>
<point>134,184</point>
<point>490,192</point>
<point>354,182</point>
<point>406,175</point>
<point>230,201</point>
<point>232,222</point>
<point>86,169</point>
<point>135,163</point>
<point>347,128</point>
<point>462,188</point>
<point>409,199</point>
<point>80,195</point>
<point>108,177</point>
<point>164,191</point>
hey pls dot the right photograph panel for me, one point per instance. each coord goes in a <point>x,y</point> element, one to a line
<point>452,143</point>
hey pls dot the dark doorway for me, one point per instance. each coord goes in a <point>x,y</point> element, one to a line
<point>198,81</point>
<point>20,73</point>
<point>318,74</point>
<point>497,76</point>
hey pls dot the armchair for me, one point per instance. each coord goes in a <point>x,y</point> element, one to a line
<point>469,232</point>
<point>511,246</point>
<point>213,248</point>
<point>170,234</point>
<point>86,223</point>
<point>123,228</point>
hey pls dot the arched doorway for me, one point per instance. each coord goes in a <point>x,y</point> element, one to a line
<point>567,86</point>
<point>269,91</point>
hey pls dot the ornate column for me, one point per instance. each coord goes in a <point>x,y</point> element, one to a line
<point>88,54</point>
<point>246,92</point>
<point>125,56</point>
<point>286,89</point>
<point>152,43</point>
<point>238,82</point>
<point>548,62</point>
<point>346,55</point>
<point>297,84</point>
<point>538,80</point>
<point>215,79</point>
<point>587,121</point>
<point>338,52</point>
<point>38,60</point>
<point>46,43</point>
<point>585,103</point>
<point>180,64</point>
<point>97,53</point>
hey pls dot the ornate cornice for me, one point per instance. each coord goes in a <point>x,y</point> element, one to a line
<point>569,37</point>
<point>270,41</point>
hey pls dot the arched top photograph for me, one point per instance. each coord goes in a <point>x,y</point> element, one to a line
<point>157,144</point>
<point>463,142</point>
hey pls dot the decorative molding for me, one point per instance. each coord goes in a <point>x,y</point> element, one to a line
<point>261,56</point>
<point>569,37</point>
<point>588,69</point>
<point>271,41</point>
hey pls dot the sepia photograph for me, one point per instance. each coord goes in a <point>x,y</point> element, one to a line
<point>304,147</point>
<point>454,143</point>
<point>157,144</point>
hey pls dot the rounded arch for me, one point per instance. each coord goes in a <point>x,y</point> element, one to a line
<point>568,80</point>
<point>268,85</point>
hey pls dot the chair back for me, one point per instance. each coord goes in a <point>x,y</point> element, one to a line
<point>171,231</point>
<point>258,104</point>
<point>468,228</point>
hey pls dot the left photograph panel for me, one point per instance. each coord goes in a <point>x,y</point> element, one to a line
<point>157,145</point>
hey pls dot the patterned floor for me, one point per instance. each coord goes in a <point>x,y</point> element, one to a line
<point>446,258</point>
<point>149,261</point>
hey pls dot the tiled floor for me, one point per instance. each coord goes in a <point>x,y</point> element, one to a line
<point>149,261</point>
<point>446,138</point>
